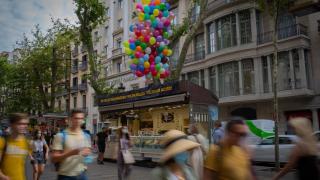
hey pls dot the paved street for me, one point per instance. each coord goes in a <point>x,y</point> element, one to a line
<point>108,171</point>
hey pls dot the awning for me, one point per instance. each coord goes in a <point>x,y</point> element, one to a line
<point>158,101</point>
<point>116,107</point>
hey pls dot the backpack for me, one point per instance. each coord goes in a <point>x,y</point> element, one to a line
<point>64,137</point>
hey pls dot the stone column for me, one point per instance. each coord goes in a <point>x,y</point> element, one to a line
<point>253,25</point>
<point>315,120</point>
<point>238,29</point>
<point>206,78</point>
<point>240,78</point>
<point>217,80</point>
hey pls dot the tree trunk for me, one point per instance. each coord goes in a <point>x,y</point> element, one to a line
<point>54,69</point>
<point>275,89</point>
<point>42,93</point>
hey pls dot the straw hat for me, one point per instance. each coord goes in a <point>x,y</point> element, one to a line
<point>175,142</point>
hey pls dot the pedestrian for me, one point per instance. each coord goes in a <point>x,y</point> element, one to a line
<point>198,154</point>
<point>174,161</point>
<point>304,155</point>
<point>229,160</point>
<point>101,142</point>
<point>14,149</point>
<point>71,149</point>
<point>218,132</point>
<point>40,154</point>
<point>125,144</point>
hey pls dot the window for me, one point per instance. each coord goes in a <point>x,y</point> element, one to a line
<point>59,105</point>
<point>75,63</point>
<point>119,67</point>
<point>211,38</point>
<point>245,27</point>
<point>84,101</point>
<point>286,26</point>
<point>75,82</point>
<point>194,77</point>
<point>84,59</point>
<point>199,47</point>
<point>84,79</point>
<point>296,68</point>
<point>265,74</point>
<point>195,13</point>
<point>135,86</point>
<point>269,141</point>
<point>202,78</point>
<point>120,3</point>
<point>120,24</point>
<point>248,76</point>
<point>284,80</point>
<point>176,13</point>
<point>119,41</point>
<point>226,30</point>
<point>228,79</point>
<point>308,69</point>
<point>108,12</point>
<point>74,102</point>
<point>213,81</point>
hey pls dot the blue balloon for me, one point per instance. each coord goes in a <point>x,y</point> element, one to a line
<point>131,28</point>
<point>168,5</point>
<point>140,68</point>
<point>165,66</point>
<point>165,13</point>
<point>151,8</point>
<point>141,61</point>
<point>146,57</point>
<point>132,46</point>
<point>158,59</point>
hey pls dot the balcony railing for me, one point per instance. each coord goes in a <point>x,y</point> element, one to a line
<point>84,66</point>
<point>117,51</point>
<point>283,33</point>
<point>215,4</point>
<point>195,57</point>
<point>74,69</point>
<point>74,89</point>
<point>75,52</point>
<point>83,87</point>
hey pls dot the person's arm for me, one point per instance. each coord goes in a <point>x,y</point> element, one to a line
<point>209,174</point>
<point>290,165</point>
<point>60,155</point>
<point>30,150</point>
<point>47,150</point>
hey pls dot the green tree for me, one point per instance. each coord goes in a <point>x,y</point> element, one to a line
<point>91,13</point>
<point>274,8</point>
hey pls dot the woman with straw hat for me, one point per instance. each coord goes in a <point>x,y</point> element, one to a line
<point>304,155</point>
<point>175,157</point>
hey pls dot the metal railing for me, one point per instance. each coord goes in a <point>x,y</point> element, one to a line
<point>74,88</point>
<point>215,4</point>
<point>83,86</point>
<point>283,33</point>
<point>84,66</point>
<point>195,57</point>
<point>116,51</point>
<point>74,69</point>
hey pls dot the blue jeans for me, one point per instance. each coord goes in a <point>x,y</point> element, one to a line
<point>82,176</point>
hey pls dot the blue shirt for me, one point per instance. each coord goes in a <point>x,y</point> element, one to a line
<point>217,135</point>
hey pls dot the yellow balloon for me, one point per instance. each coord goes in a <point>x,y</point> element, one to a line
<point>169,52</point>
<point>156,12</point>
<point>145,2</point>
<point>128,51</point>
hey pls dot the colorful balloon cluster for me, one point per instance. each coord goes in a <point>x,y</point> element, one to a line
<point>149,38</point>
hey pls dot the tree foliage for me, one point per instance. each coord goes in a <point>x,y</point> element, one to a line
<point>91,13</point>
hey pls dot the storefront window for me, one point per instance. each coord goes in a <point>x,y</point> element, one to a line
<point>265,74</point>
<point>228,79</point>
<point>226,31</point>
<point>245,26</point>
<point>248,76</point>
<point>194,77</point>
<point>212,82</point>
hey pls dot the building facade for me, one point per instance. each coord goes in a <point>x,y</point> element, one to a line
<point>232,56</point>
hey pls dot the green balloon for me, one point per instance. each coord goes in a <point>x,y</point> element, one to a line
<point>152,18</point>
<point>162,6</point>
<point>143,45</point>
<point>146,16</point>
<point>137,43</point>
<point>158,67</point>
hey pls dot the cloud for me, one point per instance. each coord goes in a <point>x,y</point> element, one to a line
<point>20,16</point>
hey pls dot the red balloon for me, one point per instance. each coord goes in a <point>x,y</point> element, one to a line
<point>154,73</point>
<point>138,33</point>
<point>151,58</point>
<point>146,71</point>
<point>162,75</point>
<point>139,73</point>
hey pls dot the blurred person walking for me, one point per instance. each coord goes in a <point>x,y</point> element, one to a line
<point>174,161</point>
<point>198,154</point>
<point>124,155</point>
<point>72,149</point>
<point>218,132</point>
<point>14,148</point>
<point>101,139</point>
<point>304,155</point>
<point>229,160</point>
<point>40,154</point>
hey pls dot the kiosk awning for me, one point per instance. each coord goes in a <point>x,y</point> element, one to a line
<point>163,100</point>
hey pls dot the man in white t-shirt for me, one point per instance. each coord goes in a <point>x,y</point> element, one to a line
<point>70,149</point>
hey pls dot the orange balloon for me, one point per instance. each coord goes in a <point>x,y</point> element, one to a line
<point>141,38</point>
<point>138,48</point>
<point>165,52</point>
<point>157,2</point>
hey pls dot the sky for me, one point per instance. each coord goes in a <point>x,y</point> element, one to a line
<point>20,16</point>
